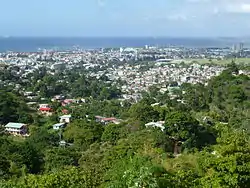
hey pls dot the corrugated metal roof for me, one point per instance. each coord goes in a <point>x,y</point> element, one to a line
<point>14,125</point>
<point>58,124</point>
<point>65,116</point>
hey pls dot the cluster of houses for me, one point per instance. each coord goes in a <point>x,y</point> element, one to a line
<point>47,109</point>
<point>138,80</point>
<point>21,129</point>
<point>165,67</point>
<point>164,62</point>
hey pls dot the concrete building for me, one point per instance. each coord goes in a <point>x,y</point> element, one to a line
<point>16,128</point>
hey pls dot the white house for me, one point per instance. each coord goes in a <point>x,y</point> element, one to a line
<point>158,124</point>
<point>58,126</point>
<point>65,118</point>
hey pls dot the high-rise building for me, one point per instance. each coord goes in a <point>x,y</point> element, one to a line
<point>234,48</point>
<point>241,47</point>
<point>238,47</point>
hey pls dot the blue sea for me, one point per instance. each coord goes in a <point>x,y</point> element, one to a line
<point>33,44</point>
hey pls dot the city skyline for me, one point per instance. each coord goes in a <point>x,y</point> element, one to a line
<point>110,18</point>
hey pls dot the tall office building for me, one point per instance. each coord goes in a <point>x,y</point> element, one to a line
<point>234,48</point>
<point>241,47</point>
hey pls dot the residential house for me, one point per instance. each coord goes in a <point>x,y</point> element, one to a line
<point>98,118</point>
<point>109,120</point>
<point>45,108</point>
<point>158,124</point>
<point>16,128</point>
<point>68,102</point>
<point>59,126</point>
<point>65,118</point>
<point>105,120</point>
<point>58,98</point>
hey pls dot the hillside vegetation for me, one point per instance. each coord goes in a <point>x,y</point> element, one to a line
<point>205,142</point>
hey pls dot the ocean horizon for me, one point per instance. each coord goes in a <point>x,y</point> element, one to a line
<point>33,44</point>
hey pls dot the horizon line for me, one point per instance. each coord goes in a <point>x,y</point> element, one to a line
<point>193,37</point>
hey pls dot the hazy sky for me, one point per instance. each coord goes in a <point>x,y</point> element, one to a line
<point>125,17</point>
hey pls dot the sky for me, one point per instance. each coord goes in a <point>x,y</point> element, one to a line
<point>114,18</point>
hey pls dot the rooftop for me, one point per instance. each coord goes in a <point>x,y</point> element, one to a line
<point>15,125</point>
<point>65,116</point>
<point>58,124</point>
<point>109,119</point>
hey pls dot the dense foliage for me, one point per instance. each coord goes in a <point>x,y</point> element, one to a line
<point>13,108</point>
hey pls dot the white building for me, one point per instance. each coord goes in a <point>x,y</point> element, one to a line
<point>16,128</point>
<point>58,126</point>
<point>158,124</point>
<point>65,118</point>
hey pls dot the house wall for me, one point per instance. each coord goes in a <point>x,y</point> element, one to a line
<point>65,120</point>
<point>16,131</point>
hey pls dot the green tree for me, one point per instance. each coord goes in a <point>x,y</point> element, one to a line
<point>31,157</point>
<point>83,133</point>
<point>70,178</point>
<point>228,164</point>
<point>133,172</point>
<point>143,112</point>
<point>13,108</point>
<point>4,167</point>
<point>112,133</point>
<point>182,128</point>
<point>57,159</point>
